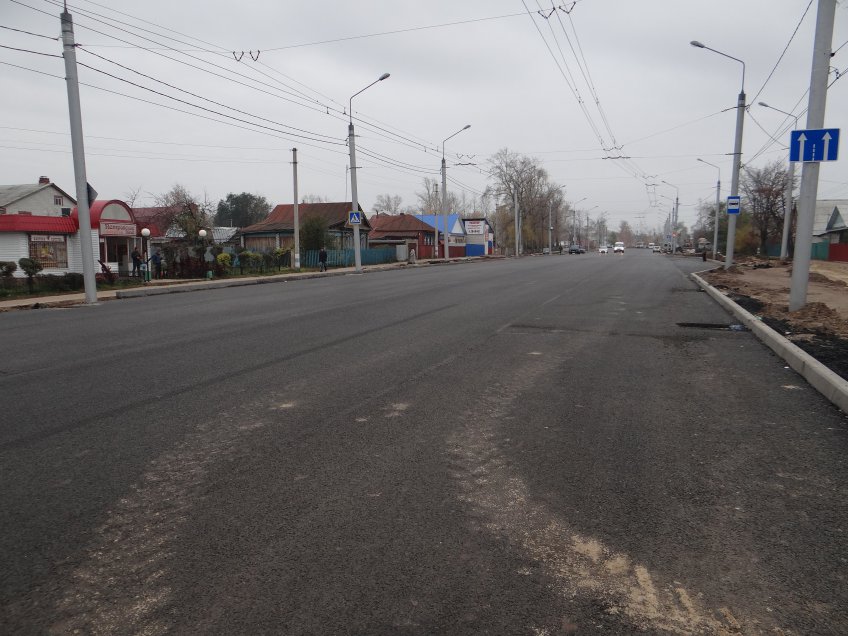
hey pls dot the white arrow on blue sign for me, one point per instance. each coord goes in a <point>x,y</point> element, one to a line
<point>814,145</point>
<point>733,205</point>
<point>354,218</point>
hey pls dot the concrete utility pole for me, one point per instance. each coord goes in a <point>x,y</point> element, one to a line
<point>436,224</point>
<point>445,191</point>
<point>357,256</point>
<point>550,227</point>
<point>78,150</point>
<point>296,263</point>
<point>810,170</point>
<point>517,228</point>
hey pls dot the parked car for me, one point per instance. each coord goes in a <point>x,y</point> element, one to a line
<point>574,249</point>
<point>657,249</point>
<point>619,248</point>
<point>603,249</point>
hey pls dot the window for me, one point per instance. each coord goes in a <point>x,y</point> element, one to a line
<point>51,250</point>
<point>2,210</point>
<point>57,200</point>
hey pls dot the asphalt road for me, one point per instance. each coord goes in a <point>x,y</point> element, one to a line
<point>510,447</point>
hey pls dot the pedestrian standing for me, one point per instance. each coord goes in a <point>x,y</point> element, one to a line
<point>322,259</point>
<point>156,259</point>
<point>136,262</point>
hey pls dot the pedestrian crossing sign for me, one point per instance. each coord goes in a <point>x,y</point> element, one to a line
<point>354,218</point>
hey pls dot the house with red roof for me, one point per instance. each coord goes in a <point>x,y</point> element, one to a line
<point>402,229</point>
<point>277,231</point>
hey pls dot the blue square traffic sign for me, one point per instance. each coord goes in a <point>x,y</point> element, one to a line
<point>354,218</point>
<point>814,145</point>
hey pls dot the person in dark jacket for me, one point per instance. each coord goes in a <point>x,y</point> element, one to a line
<point>322,259</point>
<point>136,262</point>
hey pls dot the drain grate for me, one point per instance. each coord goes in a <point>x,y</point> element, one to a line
<point>722,326</point>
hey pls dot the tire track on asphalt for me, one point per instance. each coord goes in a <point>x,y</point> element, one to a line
<point>580,565</point>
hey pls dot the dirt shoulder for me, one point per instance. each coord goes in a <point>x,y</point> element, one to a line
<point>820,327</point>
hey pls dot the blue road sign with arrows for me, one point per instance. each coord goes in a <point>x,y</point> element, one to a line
<point>354,218</point>
<point>814,145</point>
<point>733,204</point>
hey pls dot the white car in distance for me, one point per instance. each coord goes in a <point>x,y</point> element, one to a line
<point>603,249</point>
<point>619,248</point>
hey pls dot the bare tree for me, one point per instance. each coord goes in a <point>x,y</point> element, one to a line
<point>387,204</point>
<point>522,176</point>
<point>179,208</point>
<point>763,190</point>
<point>314,198</point>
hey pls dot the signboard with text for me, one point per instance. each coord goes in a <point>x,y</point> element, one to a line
<point>108,228</point>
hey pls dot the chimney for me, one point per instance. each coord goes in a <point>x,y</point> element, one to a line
<point>43,180</point>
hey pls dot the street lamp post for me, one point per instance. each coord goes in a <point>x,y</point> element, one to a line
<point>674,217</point>
<point>145,238</point>
<point>551,223</point>
<point>737,155</point>
<point>718,203</point>
<point>445,193</point>
<point>787,196</point>
<point>357,256</point>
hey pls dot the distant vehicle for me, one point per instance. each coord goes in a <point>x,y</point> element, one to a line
<point>651,246</point>
<point>618,248</point>
<point>640,245</point>
<point>574,249</point>
<point>546,250</point>
<point>657,249</point>
<point>603,249</point>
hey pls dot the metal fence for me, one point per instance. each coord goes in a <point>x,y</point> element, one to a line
<point>345,258</point>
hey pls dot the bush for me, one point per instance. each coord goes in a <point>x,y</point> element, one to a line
<point>7,268</point>
<point>30,267</point>
<point>70,281</point>
<point>224,260</point>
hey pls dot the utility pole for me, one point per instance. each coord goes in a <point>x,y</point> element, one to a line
<point>810,170</point>
<point>296,219</point>
<point>436,225</point>
<point>354,196</point>
<point>517,228</point>
<point>550,227</point>
<point>78,151</point>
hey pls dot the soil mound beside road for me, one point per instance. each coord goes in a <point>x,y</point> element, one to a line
<point>820,328</point>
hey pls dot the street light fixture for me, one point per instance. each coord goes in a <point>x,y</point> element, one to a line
<point>787,197</point>
<point>353,193</point>
<point>718,203</point>
<point>445,197</point>
<point>737,155</point>
<point>145,237</point>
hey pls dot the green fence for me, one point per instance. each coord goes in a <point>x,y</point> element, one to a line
<point>819,251</point>
<point>346,258</point>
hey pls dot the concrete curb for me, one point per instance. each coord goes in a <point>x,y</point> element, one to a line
<point>825,381</point>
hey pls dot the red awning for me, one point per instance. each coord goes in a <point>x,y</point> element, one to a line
<point>27,223</point>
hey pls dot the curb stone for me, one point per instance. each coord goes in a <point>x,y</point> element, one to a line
<point>820,377</point>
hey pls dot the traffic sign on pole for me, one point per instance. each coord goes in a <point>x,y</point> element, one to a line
<point>814,145</point>
<point>354,218</point>
<point>733,204</point>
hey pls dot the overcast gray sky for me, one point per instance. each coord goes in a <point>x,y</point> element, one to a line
<point>519,78</point>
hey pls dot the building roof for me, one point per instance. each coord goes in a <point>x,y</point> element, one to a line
<point>436,220</point>
<point>28,223</point>
<point>97,208</point>
<point>400,225</point>
<point>281,218</point>
<point>830,216</point>
<point>11,193</point>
